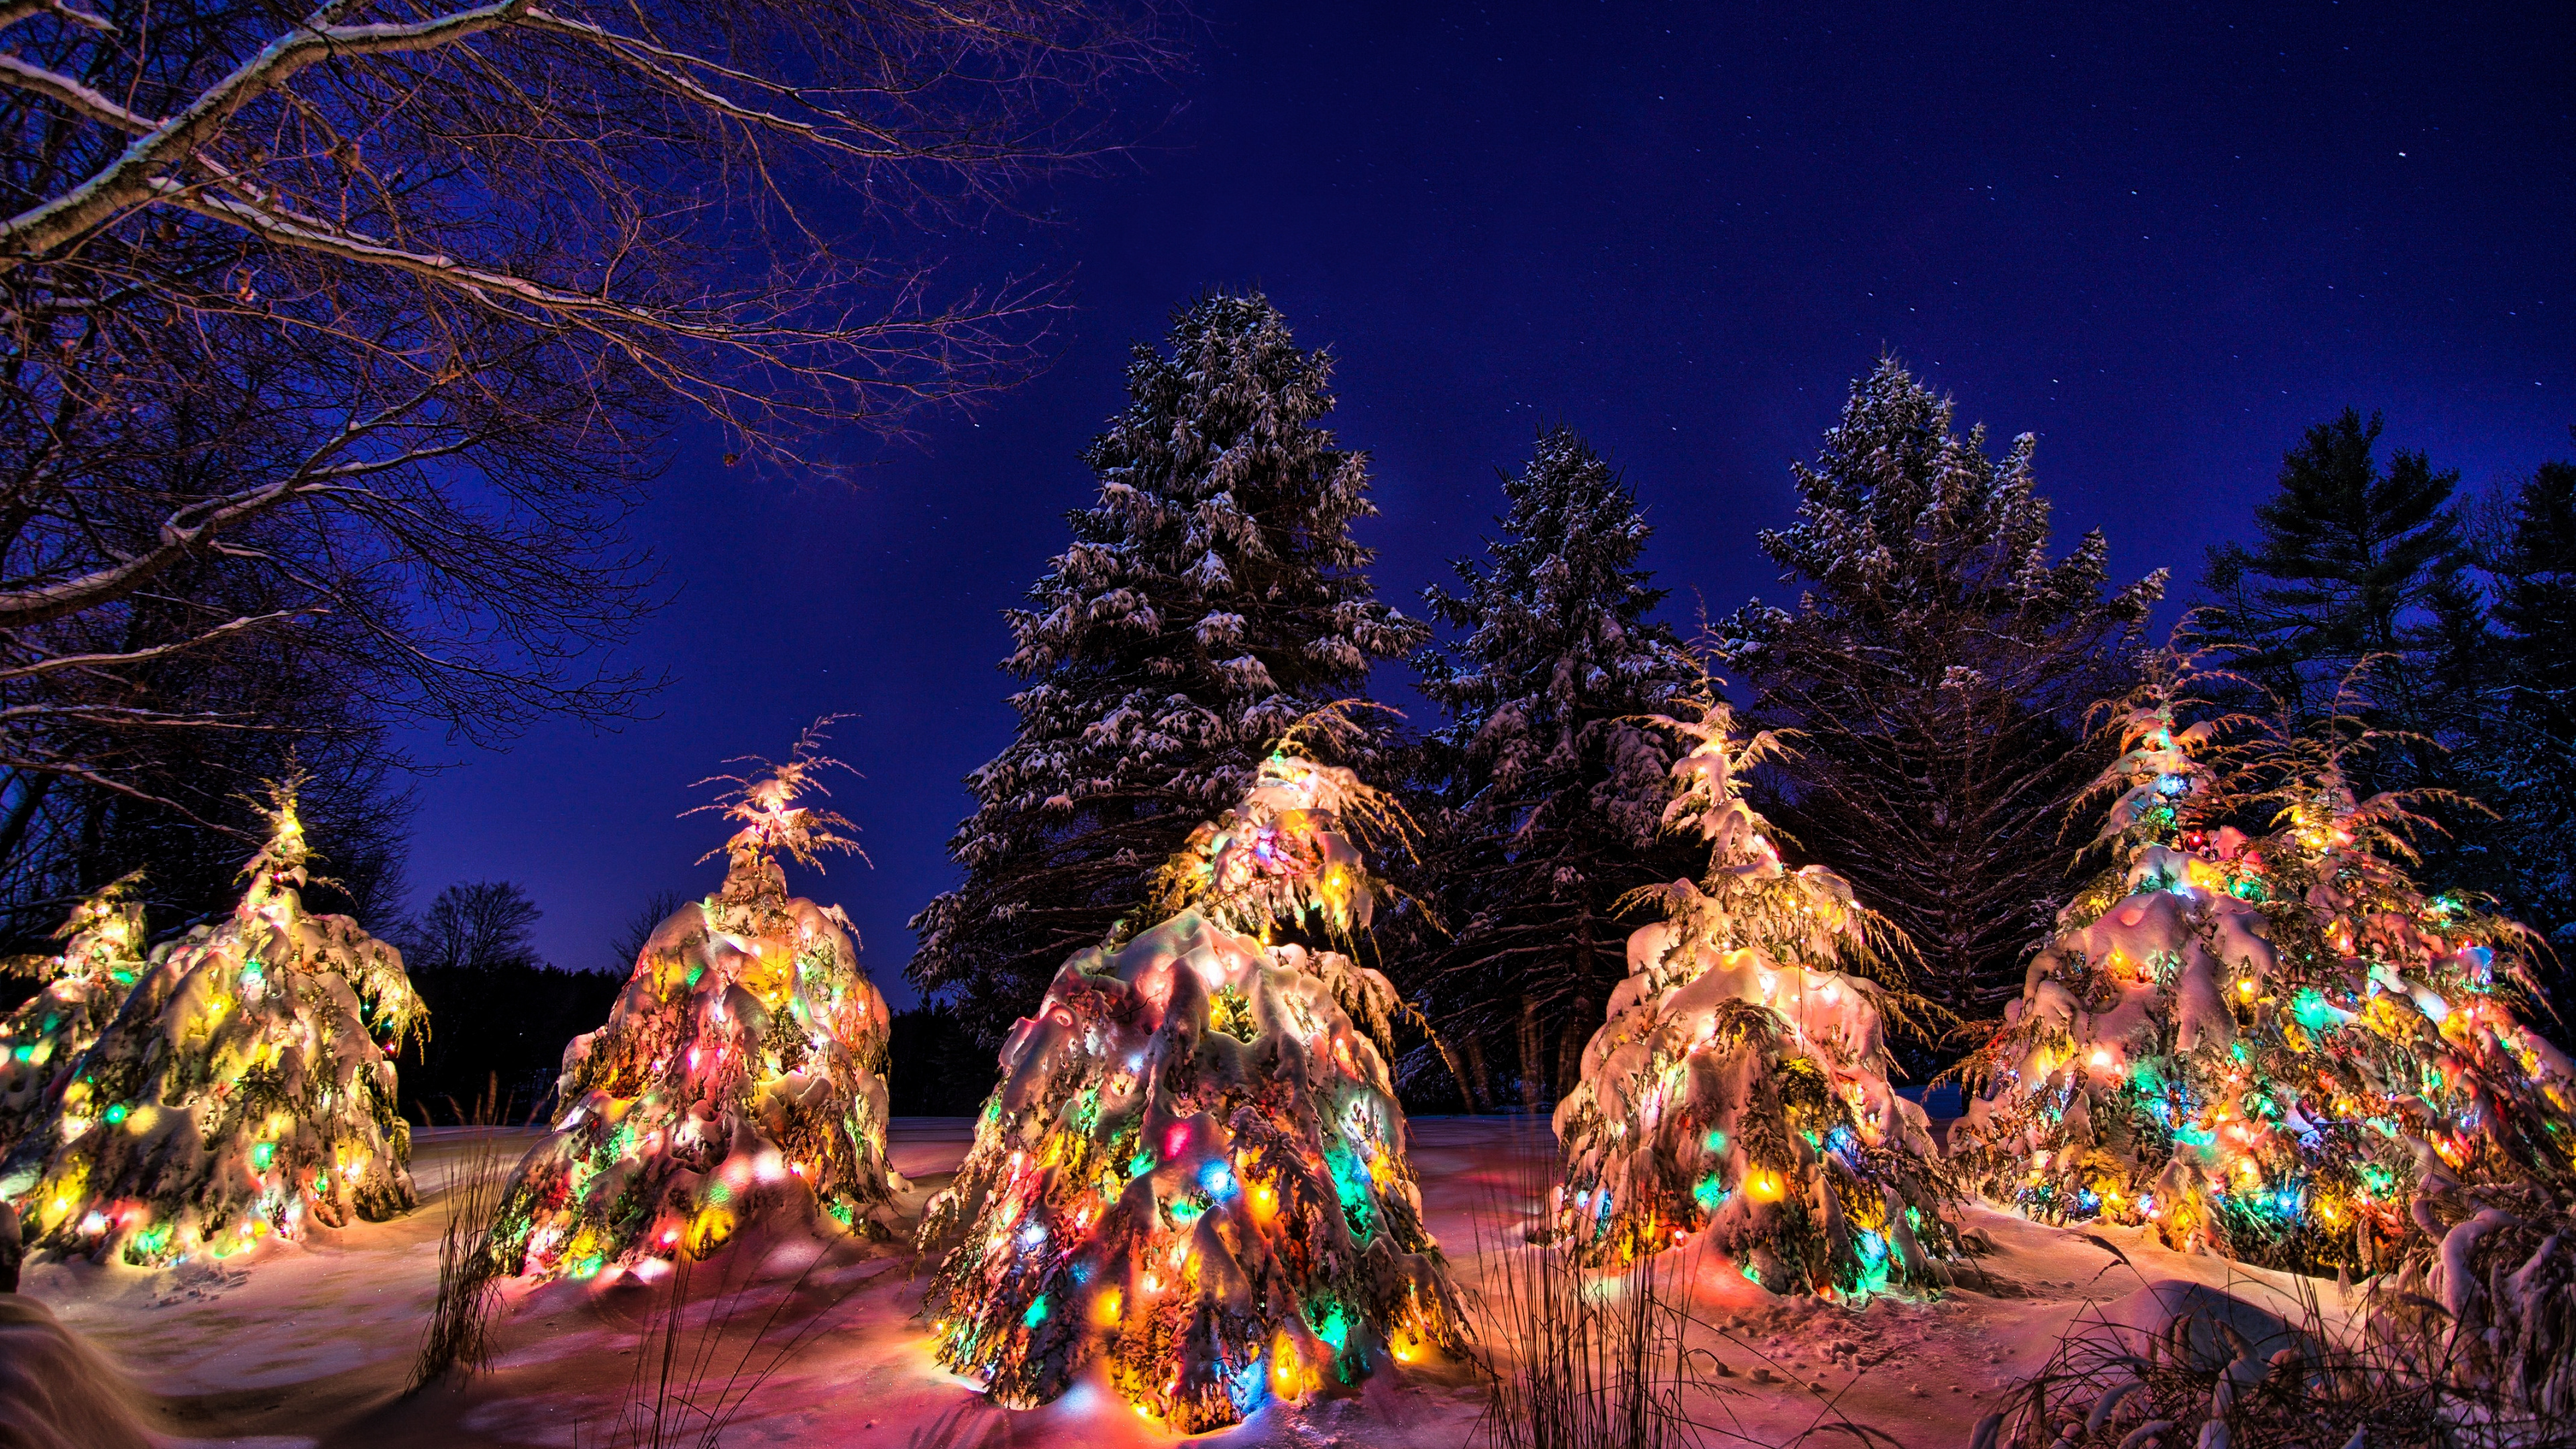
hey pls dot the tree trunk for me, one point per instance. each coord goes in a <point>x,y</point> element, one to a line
<point>1569,1048</point>
<point>31,794</point>
<point>1532,1067</point>
<point>1480,1096</point>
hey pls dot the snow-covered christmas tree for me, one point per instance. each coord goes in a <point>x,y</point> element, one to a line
<point>1549,787</point>
<point>1212,596</point>
<point>83,984</point>
<point>2274,1045</point>
<point>1194,1172</point>
<point>245,1086</point>
<point>1936,665</point>
<point>738,1078</point>
<point>1739,1089</point>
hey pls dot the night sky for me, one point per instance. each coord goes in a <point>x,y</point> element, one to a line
<point>2164,239</point>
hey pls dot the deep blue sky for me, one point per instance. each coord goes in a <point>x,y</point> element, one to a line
<point>2163,238</point>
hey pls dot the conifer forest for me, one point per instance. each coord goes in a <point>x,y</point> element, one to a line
<point>1027,722</point>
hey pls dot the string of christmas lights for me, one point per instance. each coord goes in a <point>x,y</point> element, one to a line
<point>245,1086</point>
<point>737,1079</point>
<point>1739,1090</point>
<point>82,985</point>
<point>2273,1046</point>
<point>1194,1172</point>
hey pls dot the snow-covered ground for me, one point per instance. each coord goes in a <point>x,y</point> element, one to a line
<point>313,1345</point>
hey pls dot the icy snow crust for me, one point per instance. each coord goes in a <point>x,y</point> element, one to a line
<point>735,1080</point>
<point>239,1091</point>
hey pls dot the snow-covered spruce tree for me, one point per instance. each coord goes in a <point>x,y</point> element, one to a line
<point>1194,1173</point>
<point>1938,665</point>
<point>1212,596</point>
<point>1739,1088</point>
<point>84,983</point>
<point>245,1086</point>
<point>737,1080</point>
<point>1549,786</point>
<point>2275,1045</point>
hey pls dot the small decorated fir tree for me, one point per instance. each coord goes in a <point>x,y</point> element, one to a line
<point>40,1043</point>
<point>2275,1046</point>
<point>1195,1167</point>
<point>737,1080</point>
<point>244,1087</point>
<point>1739,1089</point>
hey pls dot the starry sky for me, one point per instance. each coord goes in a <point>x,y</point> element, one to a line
<point>2164,238</point>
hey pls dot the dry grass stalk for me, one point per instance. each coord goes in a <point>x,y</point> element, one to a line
<point>1578,1359</point>
<point>675,1399</point>
<point>459,1335</point>
<point>2381,1379</point>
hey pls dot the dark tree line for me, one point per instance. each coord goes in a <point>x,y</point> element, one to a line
<point>1935,664</point>
<point>499,1016</point>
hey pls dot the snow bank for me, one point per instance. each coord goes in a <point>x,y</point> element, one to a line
<point>56,1390</point>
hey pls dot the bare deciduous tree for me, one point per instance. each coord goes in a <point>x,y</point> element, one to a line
<point>474,925</point>
<point>357,325</point>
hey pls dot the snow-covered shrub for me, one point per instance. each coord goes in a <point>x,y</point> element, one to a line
<point>101,959</point>
<point>2275,1046</point>
<point>1739,1088</point>
<point>1195,1167</point>
<point>244,1087</point>
<point>736,1079</point>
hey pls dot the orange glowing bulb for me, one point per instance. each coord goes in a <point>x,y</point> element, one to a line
<point>1764,1185</point>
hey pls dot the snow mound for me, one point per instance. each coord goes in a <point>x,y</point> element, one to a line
<point>57,1391</point>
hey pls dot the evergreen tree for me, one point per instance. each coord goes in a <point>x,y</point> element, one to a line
<point>1195,1173</point>
<point>2351,561</point>
<point>1739,1089</point>
<point>1212,597</point>
<point>240,1091</point>
<point>738,1082</point>
<point>1548,786</point>
<point>1938,665</point>
<point>2279,1046</point>
<point>2524,768</point>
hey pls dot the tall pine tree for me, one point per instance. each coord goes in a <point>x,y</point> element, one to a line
<point>1212,597</point>
<point>2524,764</point>
<point>2356,561</point>
<point>1548,790</point>
<point>2360,565</point>
<point>1939,665</point>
